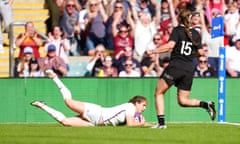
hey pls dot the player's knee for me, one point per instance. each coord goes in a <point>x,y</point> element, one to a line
<point>182,102</point>
<point>68,102</point>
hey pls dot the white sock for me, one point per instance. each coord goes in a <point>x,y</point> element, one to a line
<point>54,113</point>
<point>66,94</point>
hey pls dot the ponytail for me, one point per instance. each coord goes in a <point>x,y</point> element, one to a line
<point>184,19</point>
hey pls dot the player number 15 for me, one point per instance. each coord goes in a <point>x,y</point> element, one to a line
<point>186,48</point>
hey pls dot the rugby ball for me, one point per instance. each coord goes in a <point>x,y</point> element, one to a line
<point>137,117</point>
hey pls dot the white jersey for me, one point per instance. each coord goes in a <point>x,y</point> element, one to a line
<point>117,115</point>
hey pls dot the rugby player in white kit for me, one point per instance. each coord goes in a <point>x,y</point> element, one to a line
<point>92,114</point>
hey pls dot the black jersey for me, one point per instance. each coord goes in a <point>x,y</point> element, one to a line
<point>184,50</point>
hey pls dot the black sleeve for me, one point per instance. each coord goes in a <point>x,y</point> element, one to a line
<point>197,38</point>
<point>174,35</point>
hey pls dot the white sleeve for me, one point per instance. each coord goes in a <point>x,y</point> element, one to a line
<point>130,110</point>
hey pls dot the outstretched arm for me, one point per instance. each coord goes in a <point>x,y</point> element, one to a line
<point>130,121</point>
<point>163,48</point>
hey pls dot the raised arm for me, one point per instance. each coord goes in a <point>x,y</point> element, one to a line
<point>172,13</point>
<point>131,22</point>
<point>111,7</point>
<point>158,13</point>
<point>117,16</point>
<point>202,19</point>
<point>103,12</point>
<point>133,9</point>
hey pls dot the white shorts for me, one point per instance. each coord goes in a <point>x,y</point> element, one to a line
<point>92,113</point>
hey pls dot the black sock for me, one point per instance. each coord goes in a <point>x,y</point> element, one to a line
<point>203,104</point>
<point>161,119</point>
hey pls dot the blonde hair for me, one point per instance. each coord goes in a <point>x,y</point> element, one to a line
<point>100,47</point>
<point>89,2</point>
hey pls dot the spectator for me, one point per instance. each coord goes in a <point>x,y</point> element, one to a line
<point>29,38</point>
<point>54,62</point>
<point>216,4</point>
<point>233,59</point>
<point>62,44</point>
<point>231,19</point>
<point>204,6</point>
<point>196,21</point>
<point>116,19</point>
<point>145,6</point>
<point>144,30</point>
<point>95,20</point>
<point>122,39</point>
<point>211,44</point>
<point>23,65</point>
<point>150,66</point>
<point>237,30</point>
<point>156,42</point>
<point>6,16</point>
<point>114,6</point>
<point>184,5</point>
<point>166,14</point>
<point>82,14</point>
<point>199,5</point>
<point>82,3</point>
<point>97,61</point>
<point>119,62</point>
<point>165,10</point>
<point>69,22</point>
<point>203,69</point>
<point>167,32</point>
<point>238,4</point>
<point>129,70</point>
<point>34,69</point>
<point>107,70</point>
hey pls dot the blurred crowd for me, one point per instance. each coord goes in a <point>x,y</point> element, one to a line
<point>116,34</point>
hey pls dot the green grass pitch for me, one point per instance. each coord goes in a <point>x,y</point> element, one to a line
<point>183,133</point>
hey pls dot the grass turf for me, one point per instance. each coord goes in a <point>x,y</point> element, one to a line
<point>197,133</point>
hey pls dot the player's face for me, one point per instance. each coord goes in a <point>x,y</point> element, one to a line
<point>141,106</point>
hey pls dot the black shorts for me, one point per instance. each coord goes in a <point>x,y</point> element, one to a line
<point>181,78</point>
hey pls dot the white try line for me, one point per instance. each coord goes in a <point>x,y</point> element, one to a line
<point>230,123</point>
